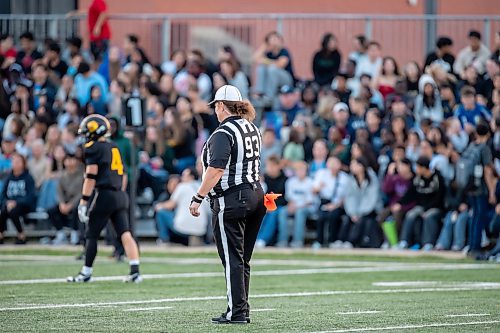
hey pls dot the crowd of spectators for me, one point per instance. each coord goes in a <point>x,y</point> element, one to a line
<point>367,152</point>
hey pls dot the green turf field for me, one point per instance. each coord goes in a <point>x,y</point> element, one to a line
<point>300,292</point>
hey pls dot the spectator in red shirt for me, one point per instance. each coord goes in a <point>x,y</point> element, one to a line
<point>99,30</point>
<point>7,49</point>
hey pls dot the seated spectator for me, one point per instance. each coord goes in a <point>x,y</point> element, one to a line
<point>385,81</point>
<point>28,53</point>
<point>412,75</point>
<point>38,163</point>
<point>84,82</point>
<point>471,79</point>
<point>274,68</point>
<point>234,76</point>
<point>52,59</point>
<point>448,100</point>
<point>456,221</point>
<point>326,62</point>
<point>469,112</point>
<point>274,181</point>
<point>7,50</point>
<point>270,146</point>
<point>17,198</point>
<point>194,74</point>
<point>176,63</point>
<point>422,223</point>
<point>442,56</point>
<point>338,146</point>
<point>371,63</point>
<point>64,93</point>
<point>359,45</point>
<point>64,213</point>
<point>294,149</point>
<point>340,87</point>
<point>290,105</point>
<point>173,215</point>
<point>320,154</point>
<point>309,98</point>
<point>74,48</point>
<point>330,185</point>
<point>299,195</point>
<point>394,186</point>
<point>428,102</point>
<point>457,135</point>
<point>373,97</point>
<point>180,139</point>
<point>71,114</point>
<point>358,109</point>
<point>99,106</point>
<point>488,84</point>
<point>475,54</point>
<point>131,45</point>
<point>361,229</point>
<point>173,181</point>
<point>8,149</point>
<point>322,118</point>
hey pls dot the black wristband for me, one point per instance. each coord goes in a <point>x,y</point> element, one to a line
<point>200,196</point>
<point>196,199</point>
<point>85,197</point>
<point>90,176</point>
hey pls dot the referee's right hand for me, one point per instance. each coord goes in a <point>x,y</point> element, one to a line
<point>193,209</point>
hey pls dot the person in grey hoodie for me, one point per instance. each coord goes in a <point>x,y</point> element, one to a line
<point>361,203</point>
<point>428,101</point>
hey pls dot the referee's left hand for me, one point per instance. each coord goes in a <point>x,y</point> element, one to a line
<point>194,209</point>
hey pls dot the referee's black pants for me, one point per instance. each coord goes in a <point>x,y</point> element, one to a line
<point>236,221</point>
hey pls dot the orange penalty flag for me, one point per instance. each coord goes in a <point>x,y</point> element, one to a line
<point>269,201</point>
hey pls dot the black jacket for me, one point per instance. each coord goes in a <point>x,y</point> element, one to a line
<point>326,66</point>
<point>277,185</point>
<point>426,192</point>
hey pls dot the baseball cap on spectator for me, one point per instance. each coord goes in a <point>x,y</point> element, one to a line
<point>423,162</point>
<point>340,106</point>
<point>474,34</point>
<point>10,138</point>
<point>227,93</point>
<point>286,89</point>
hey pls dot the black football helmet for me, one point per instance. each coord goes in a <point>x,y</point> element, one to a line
<point>94,127</point>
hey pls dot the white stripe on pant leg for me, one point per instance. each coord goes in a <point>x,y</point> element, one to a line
<point>226,257</point>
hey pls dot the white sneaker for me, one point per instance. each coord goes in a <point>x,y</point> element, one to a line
<point>80,278</point>
<point>133,278</point>
<point>385,246</point>
<point>402,245</point>
<point>335,245</point>
<point>427,247</point>
<point>316,246</point>
<point>347,245</point>
<point>260,244</point>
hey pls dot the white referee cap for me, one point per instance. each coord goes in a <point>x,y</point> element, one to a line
<point>227,93</point>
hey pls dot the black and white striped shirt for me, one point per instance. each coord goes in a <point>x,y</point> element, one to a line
<point>235,147</point>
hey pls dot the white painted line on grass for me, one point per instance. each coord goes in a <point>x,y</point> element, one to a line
<point>468,315</point>
<point>148,309</point>
<point>262,310</point>
<point>409,327</point>
<point>211,298</point>
<point>435,284</point>
<point>281,272</point>
<point>359,312</point>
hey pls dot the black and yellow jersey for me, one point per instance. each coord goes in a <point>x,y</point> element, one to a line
<point>107,157</point>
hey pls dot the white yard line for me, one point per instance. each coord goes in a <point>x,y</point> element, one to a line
<point>409,327</point>
<point>148,309</point>
<point>261,310</point>
<point>359,312</point>
<point>211,298</point>
<point>423,284</point>
<point>388,268</point>
<point>468,315</point>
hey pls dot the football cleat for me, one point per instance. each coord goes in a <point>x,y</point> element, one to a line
<point>80,278</point>
<point>133,278</point>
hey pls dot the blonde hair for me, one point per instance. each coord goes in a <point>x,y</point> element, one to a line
<point>325,106</point>
<point>244,109</point>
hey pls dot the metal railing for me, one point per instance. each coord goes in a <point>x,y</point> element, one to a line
<point>406,37</point>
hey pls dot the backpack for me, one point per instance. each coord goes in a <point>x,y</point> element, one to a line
<point>465,170</point>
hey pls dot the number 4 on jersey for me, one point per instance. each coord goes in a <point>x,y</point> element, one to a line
<point>116,161</point>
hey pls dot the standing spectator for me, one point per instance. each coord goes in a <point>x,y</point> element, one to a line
<point>99,30</point>
<point>385,81</point>
<point>43,88</point>
<point>299,195</point>
<point>469,112</point>
<point>359,45</point>
<point>442,55</point>
<point>326,62</point>
<point>372,63</point>
<point>330,186</point>
<point>361,228</point>
<point>428,102</point>
<point>84,82</point>
<point>421,224</point>
<point>29,52</point>
<point>68,196</point>
<point>275,181</point>
<point>475,171</point>
<point>274,68</point>
<point>17,198</point>
<point>475,54</point>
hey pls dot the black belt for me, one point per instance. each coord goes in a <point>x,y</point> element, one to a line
<point>244,186</point>
<point>107,188</point>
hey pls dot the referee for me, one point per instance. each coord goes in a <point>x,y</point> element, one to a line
<point>231,166</point>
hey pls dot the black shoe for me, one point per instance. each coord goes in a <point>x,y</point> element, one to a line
<point>223,320</point>
<point>80,278</point>
<point>224,315</point>
<point>20,241</point>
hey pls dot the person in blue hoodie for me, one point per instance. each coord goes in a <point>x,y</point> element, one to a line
<point>17,198</point>
<point>469,112</point>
